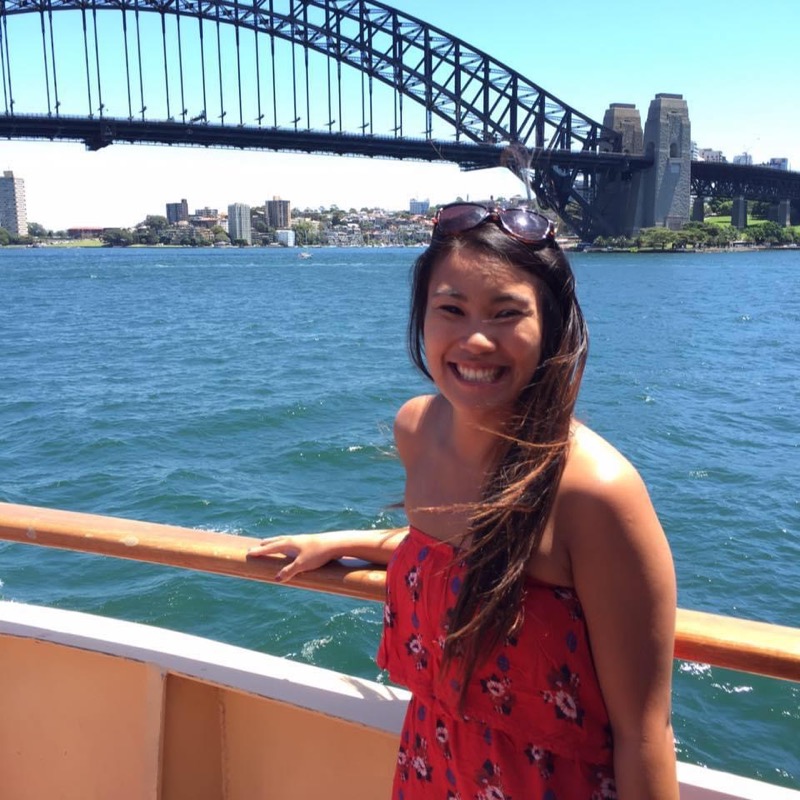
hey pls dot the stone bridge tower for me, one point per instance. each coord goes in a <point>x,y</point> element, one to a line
<point>618,194</point>
<point>665,187</point>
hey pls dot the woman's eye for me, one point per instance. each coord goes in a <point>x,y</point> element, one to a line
<point>451,310</point>
<point>508,313</point>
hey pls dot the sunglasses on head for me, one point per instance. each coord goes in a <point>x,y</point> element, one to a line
<point>523,224</point>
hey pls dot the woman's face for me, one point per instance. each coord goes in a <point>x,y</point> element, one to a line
<point>482,332</point>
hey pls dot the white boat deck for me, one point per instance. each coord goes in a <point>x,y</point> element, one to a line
<point>105,708</point>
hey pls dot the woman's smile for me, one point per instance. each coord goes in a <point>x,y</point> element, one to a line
<point>472,373</point>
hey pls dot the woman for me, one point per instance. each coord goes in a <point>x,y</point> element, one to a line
<point>530,609</point>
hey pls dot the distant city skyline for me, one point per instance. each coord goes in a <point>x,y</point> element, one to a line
<point>735,77</point>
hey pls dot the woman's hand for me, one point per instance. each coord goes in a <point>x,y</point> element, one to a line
<point>312,550</point>
<point>307,551</point>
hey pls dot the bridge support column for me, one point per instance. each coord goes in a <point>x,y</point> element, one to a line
<point>699,209</point>
<point>739,213</point>
<point>617,195</point>
<point>664,198</point>
<point>781,213</point>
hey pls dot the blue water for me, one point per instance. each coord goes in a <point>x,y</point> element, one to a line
<point>248,391</point>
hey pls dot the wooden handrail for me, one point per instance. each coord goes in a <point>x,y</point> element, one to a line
<point>738,644</point>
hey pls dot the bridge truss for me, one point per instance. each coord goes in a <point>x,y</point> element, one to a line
<point>334,76</point>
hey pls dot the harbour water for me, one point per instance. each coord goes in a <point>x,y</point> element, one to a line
<point>253,392</point>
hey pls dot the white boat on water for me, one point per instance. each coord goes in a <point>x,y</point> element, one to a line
<point>304,255</point>
<point>92,707</point>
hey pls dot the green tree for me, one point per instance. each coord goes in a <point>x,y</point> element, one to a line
<point>723,235</point>
<point>5,237</point>
<point>155,222</point>
<point>714,204</point>
<point>773,233</point>
<point>656,238</point>
<point>117,237</point>
<point>725,208</point>
<point>694,234</point>
<point>220,234</point>
<point>305,233</point>
<point>760,209</point>
<point>36,230</point>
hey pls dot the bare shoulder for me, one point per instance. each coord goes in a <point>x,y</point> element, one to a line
<point>602,500</point>
<point>410,423</point>
<point>596,471</point>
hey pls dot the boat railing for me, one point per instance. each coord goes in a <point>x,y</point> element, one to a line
<point>745,645</point>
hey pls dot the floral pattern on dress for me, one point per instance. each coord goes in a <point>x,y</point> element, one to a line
<point>490,783</point>
<point>413,583</point>
<point>563,694</point>
<point>542,758</point>
<point>500,691</point>
<point>606,786</point>
<point>442,738</point>
<point>414,760</point>
<point>417,650</point>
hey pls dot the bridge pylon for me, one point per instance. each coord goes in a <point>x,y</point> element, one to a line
<point>666,185</point>
<point>618,194</point>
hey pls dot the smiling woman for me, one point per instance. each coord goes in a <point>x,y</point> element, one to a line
<point>531,607</point>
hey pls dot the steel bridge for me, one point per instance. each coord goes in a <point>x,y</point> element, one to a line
<point>712,179</point>
<point>318,76</point>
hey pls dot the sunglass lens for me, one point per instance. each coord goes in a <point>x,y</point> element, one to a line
<point>526,225</point>
<point>461,217</point>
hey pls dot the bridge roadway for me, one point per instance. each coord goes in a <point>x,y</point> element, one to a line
<point>97,133</point>
<point>709,179</point>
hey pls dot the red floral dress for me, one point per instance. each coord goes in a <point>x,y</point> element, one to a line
<point>534,725</point>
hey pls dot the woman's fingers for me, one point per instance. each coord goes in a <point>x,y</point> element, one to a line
<point>280,545</point>
<point>300,549</point>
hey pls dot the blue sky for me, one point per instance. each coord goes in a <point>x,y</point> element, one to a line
<point>738,67</point>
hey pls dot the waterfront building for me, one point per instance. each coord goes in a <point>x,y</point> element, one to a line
<point>206,213</point>
<point>13,211</point>
<point>177,212</point>
<point>744,158</point>
<point>419,206</point>
<point>204,218</point>
<point>278,213</point>
<point>239,227</point>
<point>86,233</point>
<point>285,238</point>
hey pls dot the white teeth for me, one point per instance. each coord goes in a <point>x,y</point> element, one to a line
<point>478,375</point>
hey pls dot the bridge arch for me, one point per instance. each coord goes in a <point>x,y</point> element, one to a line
<point>228,73</point>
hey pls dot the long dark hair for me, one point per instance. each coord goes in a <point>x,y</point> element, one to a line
<point>507,525</point>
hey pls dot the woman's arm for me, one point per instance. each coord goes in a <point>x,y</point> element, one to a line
<point>311,550</point>
<point>624,577</point>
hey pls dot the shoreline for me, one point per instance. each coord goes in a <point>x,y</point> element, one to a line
<point>679,251</point>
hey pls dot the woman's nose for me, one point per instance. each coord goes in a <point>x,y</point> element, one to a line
<point>477,340</point>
